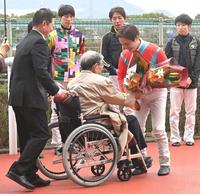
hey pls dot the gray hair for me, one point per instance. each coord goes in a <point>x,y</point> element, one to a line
<point>90,58</point>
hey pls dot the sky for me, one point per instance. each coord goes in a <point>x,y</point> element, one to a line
<point>175,7</point>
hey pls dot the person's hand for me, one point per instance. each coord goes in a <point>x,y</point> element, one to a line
<point>138,94</point>
<point>188,82</point>
<point>50,98</point>
<point>131,100</point>
<point>147,89</point>
<point>61,96</point>
<point>135,105</point>
<point>4,48</point>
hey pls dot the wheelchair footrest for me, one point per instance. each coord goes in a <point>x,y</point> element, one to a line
<point>125,163</point>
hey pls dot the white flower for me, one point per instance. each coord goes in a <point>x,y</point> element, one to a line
<point>160,73</point>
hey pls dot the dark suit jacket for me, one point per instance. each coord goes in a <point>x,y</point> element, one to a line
<point>30,80</point>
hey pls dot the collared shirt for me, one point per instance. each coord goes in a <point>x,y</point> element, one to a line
<point>39,33</point>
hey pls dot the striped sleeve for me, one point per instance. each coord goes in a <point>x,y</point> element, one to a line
<point>122,67</point>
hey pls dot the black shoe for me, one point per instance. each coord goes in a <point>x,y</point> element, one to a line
<point>189,143</point>
<point>137,162</point>
<point>138,171</point>
<point>22,180</point>
<point>176,144</point>
<point>148,161</point>
<point>37,181</point>
<point>140,168</point>
<point>164,170</point>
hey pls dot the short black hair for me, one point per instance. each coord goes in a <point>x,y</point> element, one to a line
<point>129,32</point>
<point>183,18</point>
<point>66,9</point>
<point>30,26</point>
<point>41,15</point>
<point>119,10</point>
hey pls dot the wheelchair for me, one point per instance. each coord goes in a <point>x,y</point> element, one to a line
<point>90,154</point>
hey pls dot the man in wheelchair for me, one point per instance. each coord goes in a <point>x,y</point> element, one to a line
<point>97,94</point>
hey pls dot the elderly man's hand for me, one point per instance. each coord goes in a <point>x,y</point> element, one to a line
<point>135,105</point>
<point>138,94</point>
<point>131,100</point>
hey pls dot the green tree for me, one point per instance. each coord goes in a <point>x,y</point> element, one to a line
<point>149,15</point>
<point>197,17</point>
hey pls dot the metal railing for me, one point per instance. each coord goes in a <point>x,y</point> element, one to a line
<point>154,30</point>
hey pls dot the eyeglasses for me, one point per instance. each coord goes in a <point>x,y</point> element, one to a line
<point>103,63</point>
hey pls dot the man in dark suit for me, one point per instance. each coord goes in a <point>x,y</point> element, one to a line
<point>29,84</point>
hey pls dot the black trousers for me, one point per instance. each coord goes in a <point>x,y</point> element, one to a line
<point>134,128</point>
<point>32,128</point>
<point>69,116</point>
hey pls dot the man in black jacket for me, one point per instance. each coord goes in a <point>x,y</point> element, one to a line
<point>110,45</point>
<point>29,84</point>
<point>185,48</point>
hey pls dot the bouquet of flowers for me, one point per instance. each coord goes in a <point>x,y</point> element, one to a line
<point>167,75</point>
<point>132,80</point>
<point>164,75</point>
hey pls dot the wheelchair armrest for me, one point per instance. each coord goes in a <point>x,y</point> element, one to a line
<point>95,117</point>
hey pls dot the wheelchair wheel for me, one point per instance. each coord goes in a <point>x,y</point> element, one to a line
<point>124,173</point>
<point>90,155</point>
<point>49,163</point>
<point>98,170</point>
